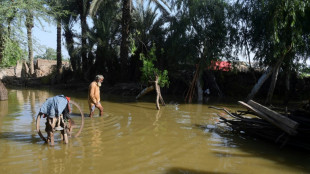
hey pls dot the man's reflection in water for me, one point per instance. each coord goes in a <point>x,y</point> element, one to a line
<point>96,132</point>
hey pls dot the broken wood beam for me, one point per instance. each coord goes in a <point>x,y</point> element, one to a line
<point>280,125</point>
<point>274,115</point>
<point>145,91</point>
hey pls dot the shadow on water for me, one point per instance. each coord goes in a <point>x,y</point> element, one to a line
<point>191,171</point>
<point>139,106</point>
<point>20,137</point>
<point>288,156</point>
<point>34,138</point>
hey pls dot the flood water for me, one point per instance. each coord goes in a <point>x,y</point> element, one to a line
<point>133,137</point>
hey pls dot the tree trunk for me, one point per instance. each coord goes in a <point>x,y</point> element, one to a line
<point>287,87</point>
<point>259,83</point>
<point>70,47</point>
<point>25,70</point>
<point>158,93</point>
<point>83,21</point>
<point>216,86</point>
<point>190,92</point>
<point>59,58</point>
<point>84,52</point>
<point>158,96</point>
<point>212,83</point>
<point>29,26</point>
<point>1,46</point>
<point>273,84</point>
<point>145,91</point>
<point>274,78</point>
<point>126,17</point>
<point>199,90</point>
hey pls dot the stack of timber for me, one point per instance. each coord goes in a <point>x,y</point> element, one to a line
<point>285,128</point>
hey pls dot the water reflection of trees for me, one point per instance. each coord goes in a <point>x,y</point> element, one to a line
<point>29,101</point>
<point>4,107</point>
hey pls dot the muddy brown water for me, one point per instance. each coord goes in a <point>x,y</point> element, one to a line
<point>133,137</point>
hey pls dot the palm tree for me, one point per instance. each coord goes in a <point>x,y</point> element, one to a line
<point>83,7</point>
<point>126,19</point>
<point>57,8</point>
<point>78,12</point>
<point>69,35</point>
<point>103,35</point>
<point>148,29</point>
<point>32,9</point>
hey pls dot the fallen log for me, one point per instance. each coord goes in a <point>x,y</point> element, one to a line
<point>145,91</point>
<point>151,88</point>
<point>263,129</point>
<point>274,115</point>
<point>280,125</point>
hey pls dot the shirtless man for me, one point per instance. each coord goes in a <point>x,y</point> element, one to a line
<point>94,95</point>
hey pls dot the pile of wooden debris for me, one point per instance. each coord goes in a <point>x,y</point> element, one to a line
<point>290,128</point>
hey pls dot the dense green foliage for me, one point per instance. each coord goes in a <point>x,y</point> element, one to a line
<point>149,71</point>
<point>275,29</point>
<point>12,52</point>
<point>304,71</point>
<point>15,16</point>
<point>50,54</point>
<point>114,33</point>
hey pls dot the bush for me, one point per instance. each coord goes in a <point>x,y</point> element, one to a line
<point>149,71</point>
<point>12,52</point>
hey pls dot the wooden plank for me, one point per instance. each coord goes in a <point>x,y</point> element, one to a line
<point>285,128</point>
<point>276,116</point>
<point>145,91</point>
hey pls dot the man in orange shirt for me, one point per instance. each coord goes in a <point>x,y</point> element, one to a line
<point>94,95</point>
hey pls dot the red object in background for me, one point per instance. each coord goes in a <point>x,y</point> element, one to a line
<point>220,65</point>
<point>68,99</point>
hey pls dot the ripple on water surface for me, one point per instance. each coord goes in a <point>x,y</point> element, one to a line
<point>133,137</point>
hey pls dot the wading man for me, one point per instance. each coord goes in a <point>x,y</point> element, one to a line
<point>94,95</point>
<point>57,110</point>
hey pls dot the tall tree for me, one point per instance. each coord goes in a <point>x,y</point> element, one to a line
<point>83,7</point>
<point>29,26</point>
<point>206,34</point>
<point>68,22</point>
<point>127,5</point>
<point>103,39</point>
<point>58,10</point>
<point>126,18</point>
<point>77,11</point>
<point>147,28</point>
<point>277,35</point>
<point>26,12</point>
<point>32,9</point>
